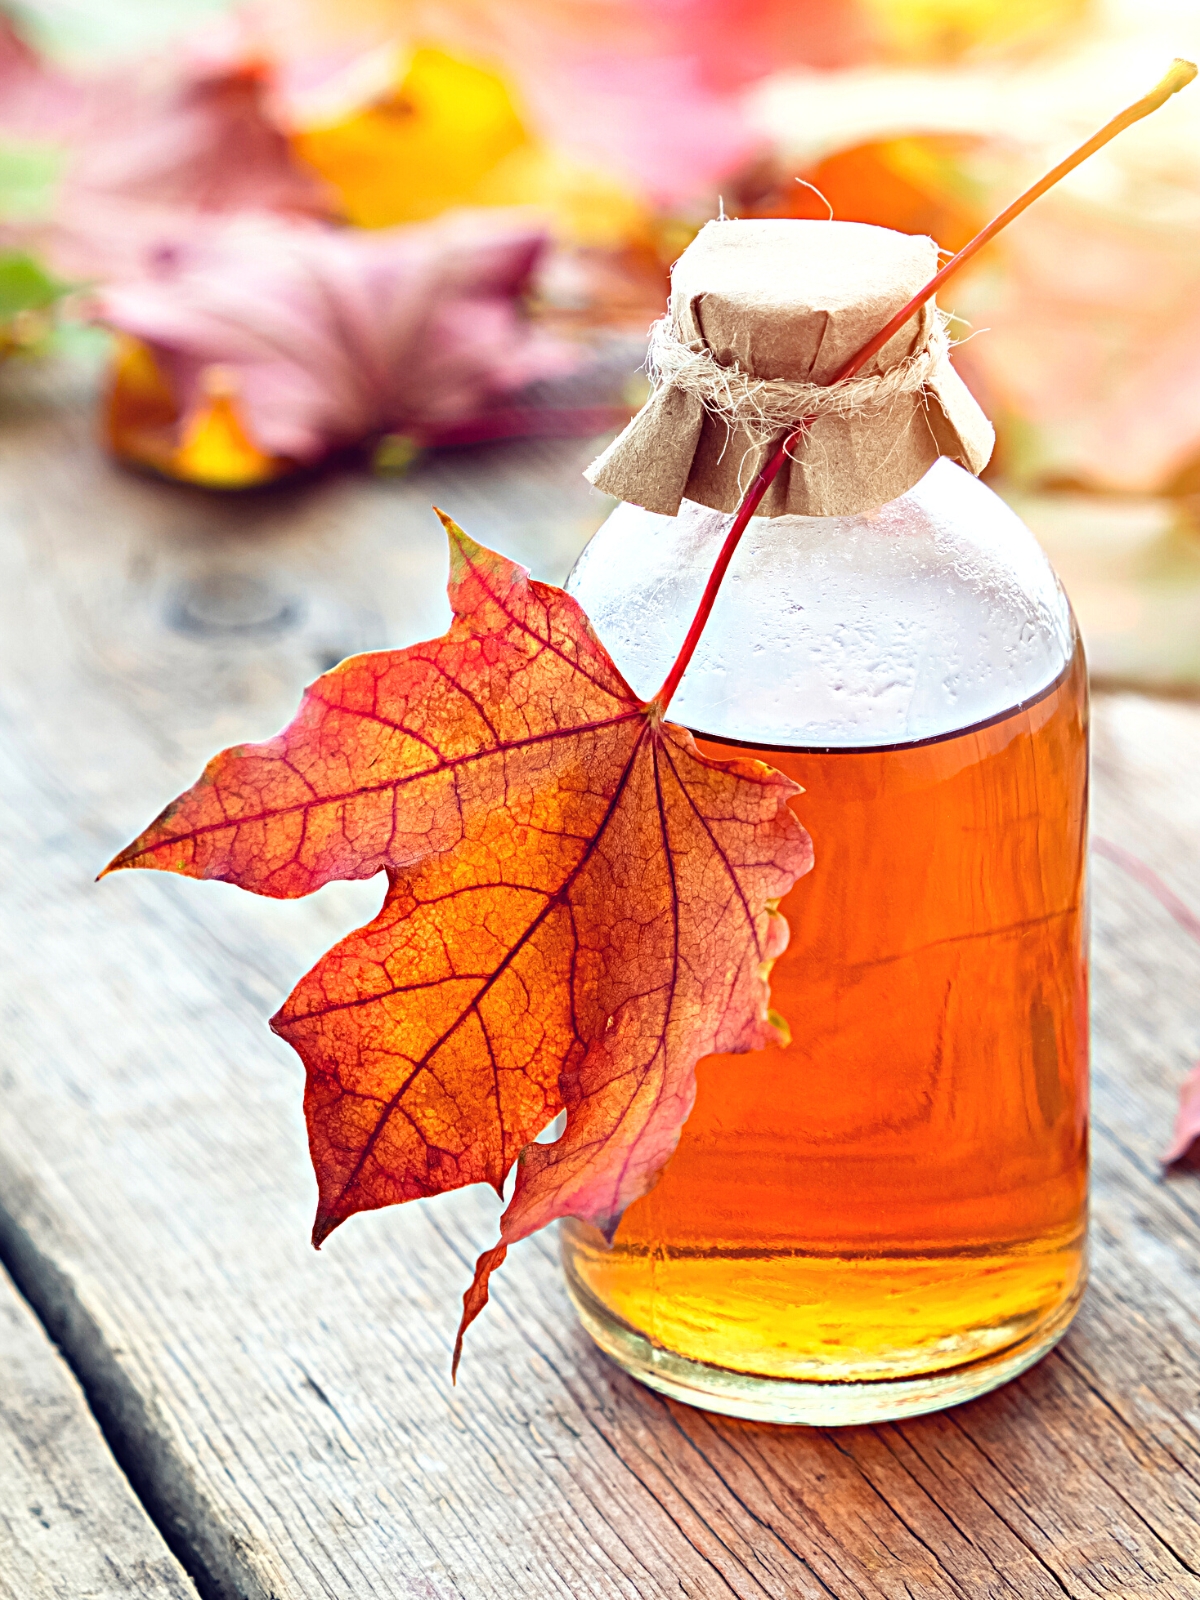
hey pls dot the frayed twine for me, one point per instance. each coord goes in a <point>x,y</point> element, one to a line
<point>764,407</point>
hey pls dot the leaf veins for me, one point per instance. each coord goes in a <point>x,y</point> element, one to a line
<point>580,907</point>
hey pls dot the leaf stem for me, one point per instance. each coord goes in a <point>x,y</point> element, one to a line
<point>1178,77</point>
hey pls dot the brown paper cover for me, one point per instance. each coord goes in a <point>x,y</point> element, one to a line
<point>795,300</point>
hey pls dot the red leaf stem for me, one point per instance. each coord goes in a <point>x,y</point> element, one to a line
<point>1178,77</point>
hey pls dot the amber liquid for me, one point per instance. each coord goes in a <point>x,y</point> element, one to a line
<point>903,1188</point>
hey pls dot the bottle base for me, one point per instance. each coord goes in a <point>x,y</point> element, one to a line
<point>805,1402</point>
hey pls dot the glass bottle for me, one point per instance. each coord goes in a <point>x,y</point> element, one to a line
<point>887,1215</point>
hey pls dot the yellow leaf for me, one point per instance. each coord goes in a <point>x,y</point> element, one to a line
<point>216,448</point>
<point>420,149</point>
<point>945,30</point>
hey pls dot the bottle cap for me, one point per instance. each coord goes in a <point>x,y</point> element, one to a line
<point>762,315</point>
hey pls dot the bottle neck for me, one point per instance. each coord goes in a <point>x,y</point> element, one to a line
<point>937,612</point>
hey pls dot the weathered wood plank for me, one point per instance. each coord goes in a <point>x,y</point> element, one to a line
<point>287,1416</point>
<point>70,1527</point>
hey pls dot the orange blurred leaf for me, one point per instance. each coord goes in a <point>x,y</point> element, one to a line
<point>215,447</point>
<point>916,184</point>
<point>581,905</point>
<point>211,445</point>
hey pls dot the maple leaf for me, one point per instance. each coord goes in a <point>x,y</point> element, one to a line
<point>199,137</point>
<point>162,152</point>
<point>581,905</point>
<point>333,335</point>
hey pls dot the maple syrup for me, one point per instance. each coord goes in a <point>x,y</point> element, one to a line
<point>888,1214</point>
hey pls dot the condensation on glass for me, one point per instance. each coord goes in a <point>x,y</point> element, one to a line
<point>887,1215</point>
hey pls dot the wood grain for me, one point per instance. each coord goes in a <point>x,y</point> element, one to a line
<point>286,1416</point>
<point>70,1526</point>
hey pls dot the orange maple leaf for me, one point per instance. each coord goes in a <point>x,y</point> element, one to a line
<point>581,905</point>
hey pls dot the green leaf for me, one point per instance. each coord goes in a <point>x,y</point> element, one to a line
<point>29,174</point>
<point>25,285</point>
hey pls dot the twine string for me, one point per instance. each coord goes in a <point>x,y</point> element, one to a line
<point>764,407</point>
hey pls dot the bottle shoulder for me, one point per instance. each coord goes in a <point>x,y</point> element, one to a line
<point>936,611</point>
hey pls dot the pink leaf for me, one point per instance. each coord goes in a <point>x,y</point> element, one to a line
<point>1182,1150</point>
<point>335,334</point>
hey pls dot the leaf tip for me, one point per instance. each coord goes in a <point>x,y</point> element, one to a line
<point>462,546</point>
<point>471,560</point>
<point>122,859</point>
<point>323,1226</point>
<point>464,550</point>
<point>475,1299</point>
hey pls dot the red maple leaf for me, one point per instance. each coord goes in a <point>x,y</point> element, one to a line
<point>581,905</point>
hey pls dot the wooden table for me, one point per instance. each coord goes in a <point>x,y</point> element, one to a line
<point>284,1418</point>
